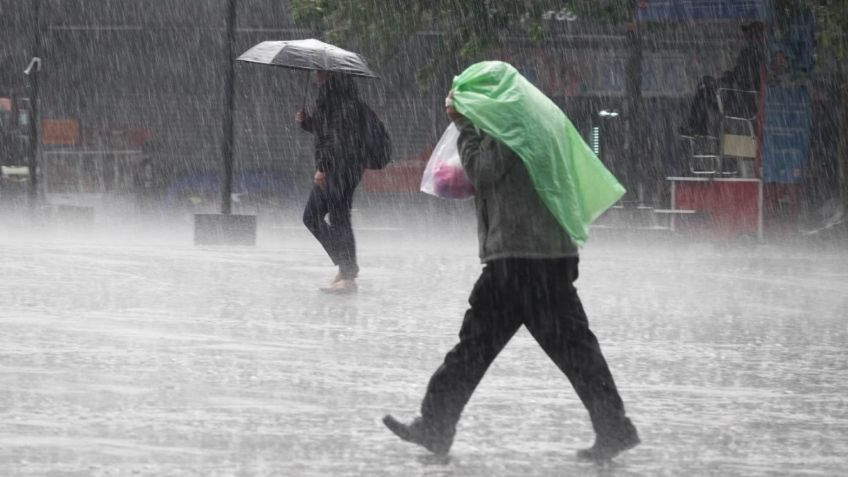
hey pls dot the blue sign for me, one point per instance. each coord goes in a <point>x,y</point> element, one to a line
<point>787,120</point>
<point>786,133</point>
<point>791,46</point>
<point>608,75</point>
<point>664,75</point>
<point>688,10</point>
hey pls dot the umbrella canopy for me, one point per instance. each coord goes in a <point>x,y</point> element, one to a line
<point>307,54</point>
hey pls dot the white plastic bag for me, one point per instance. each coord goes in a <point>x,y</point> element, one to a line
<point>444,176</point>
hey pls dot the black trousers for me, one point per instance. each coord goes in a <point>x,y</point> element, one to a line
<point>540,295</point>
<point>334,203</point>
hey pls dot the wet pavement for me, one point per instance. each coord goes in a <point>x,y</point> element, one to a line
<point>164,359</point>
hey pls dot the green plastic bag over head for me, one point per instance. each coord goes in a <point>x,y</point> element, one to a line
<point>570,179</point>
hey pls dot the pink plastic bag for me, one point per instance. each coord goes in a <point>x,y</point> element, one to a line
<point>444,176</point>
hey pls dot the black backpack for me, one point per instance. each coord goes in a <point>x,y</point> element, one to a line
<point>376,146</point>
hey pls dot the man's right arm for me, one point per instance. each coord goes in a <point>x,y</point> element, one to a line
<point>469,141</point>
<point>484,166</point>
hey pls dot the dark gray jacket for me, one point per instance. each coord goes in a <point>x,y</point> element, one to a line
<point>512,220</point>
<point>336,126</point>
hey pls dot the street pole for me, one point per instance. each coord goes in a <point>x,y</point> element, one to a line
<point>226,228</point>
<point>32,71</point>
<point>841,139</point>
<point>634,141</point>
<point>229,84</point>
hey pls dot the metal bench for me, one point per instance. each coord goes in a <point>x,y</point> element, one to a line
<point>733,150</point>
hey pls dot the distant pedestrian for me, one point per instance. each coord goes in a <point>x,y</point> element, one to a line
<point>338,170</point>
<point>745,76</point>
<point>530,265</point>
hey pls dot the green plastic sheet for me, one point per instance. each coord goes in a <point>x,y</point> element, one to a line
<point>572,182</point>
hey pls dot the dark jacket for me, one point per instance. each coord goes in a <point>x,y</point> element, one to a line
<point>512,220</point>
<point>745,74</point>
<point>336,126</point>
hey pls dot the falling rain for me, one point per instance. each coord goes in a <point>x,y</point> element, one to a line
<point>240,236</point>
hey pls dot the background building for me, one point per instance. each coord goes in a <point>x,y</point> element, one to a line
<point>149,76</point>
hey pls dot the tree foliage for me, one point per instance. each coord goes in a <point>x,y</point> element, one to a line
<point>831,27</point>
<point>470,26</point>
<point>465,27</point>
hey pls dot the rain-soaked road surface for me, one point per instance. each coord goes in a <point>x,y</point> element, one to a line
<point>165,359</point>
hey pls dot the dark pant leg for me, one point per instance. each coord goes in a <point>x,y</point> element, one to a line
<point>560,326</point>
<point>317,207</point>
<point>486,329</point>
<point>335,201</point>
<point>341,190</point>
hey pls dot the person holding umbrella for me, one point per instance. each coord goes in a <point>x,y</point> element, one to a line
<point>538,186</point>
<point>338,170</point>
<point>337,126</point>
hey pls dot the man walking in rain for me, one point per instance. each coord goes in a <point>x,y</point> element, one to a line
<point>338,170</point>
<point>530,263</point>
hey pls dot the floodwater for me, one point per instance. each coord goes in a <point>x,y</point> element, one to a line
<point>165,359</point>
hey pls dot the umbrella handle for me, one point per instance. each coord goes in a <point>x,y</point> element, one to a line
<point>305,92</point>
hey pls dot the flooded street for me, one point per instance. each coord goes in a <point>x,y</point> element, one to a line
<point>167,359</point>
<point>705,142</point>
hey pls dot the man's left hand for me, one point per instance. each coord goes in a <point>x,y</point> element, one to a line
<point>452,113</point>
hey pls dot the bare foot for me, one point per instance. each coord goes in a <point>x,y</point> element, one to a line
<point>343,286</point>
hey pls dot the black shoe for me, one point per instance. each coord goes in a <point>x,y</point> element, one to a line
<point>419,433</point>
<point>607,447</point>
